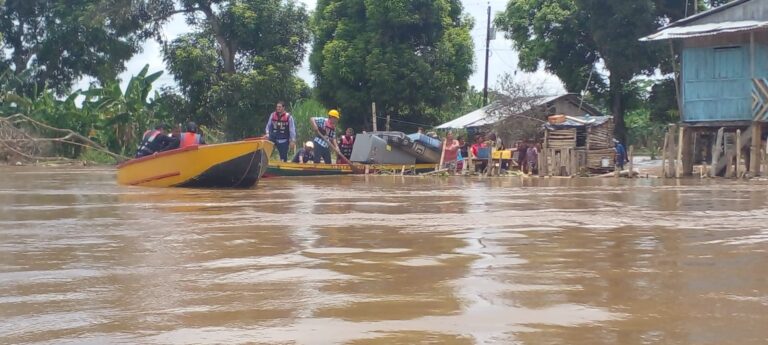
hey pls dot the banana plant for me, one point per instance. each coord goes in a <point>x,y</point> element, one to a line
<point>123,115</point>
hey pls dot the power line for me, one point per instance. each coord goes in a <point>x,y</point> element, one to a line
<point>408,122</point>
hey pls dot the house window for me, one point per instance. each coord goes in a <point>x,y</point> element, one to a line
<point>729,62</point>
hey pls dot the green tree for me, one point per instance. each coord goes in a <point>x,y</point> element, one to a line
<point>64,40</point>
<point>409,56</point>
<point>576,38</point>
<point>241,59</point>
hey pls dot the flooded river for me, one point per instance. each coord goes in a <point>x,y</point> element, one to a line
<point>382,260</point>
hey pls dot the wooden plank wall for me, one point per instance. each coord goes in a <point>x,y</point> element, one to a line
<point>562,138</point>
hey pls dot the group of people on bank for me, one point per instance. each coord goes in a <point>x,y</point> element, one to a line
<point>457,152</point>
<point>281,130</point>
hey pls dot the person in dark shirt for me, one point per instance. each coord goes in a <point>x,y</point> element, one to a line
<point>621,155</point>
<point>305,154</point>
<point>155,140</point>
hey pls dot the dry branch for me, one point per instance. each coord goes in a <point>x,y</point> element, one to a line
<point>18,141</point>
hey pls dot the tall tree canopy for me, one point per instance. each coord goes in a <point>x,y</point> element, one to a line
<point>574,38</point>
<point>240,59</point>
<point>64,40</point>
<point>406,55</point>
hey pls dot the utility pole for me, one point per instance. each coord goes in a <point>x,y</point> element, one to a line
<point>487,52</point>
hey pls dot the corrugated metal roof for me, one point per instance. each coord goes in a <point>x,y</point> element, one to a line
<point>706,13</point>
<point>489,114</point>
<point>705,30</point>
<point>468,119</point>
<point>585,121</point>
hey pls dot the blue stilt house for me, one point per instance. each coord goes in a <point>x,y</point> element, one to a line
<point>721,85</point>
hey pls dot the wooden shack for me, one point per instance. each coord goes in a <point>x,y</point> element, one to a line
<point>514,120</point>
<point>578,144</point>
<point>721,89</point>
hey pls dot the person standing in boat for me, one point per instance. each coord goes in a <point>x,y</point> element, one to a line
<point>325,127</point>
<point>281,130</point>
<point>155,140</point>
<point>191,137</point>
<point>346,144</point>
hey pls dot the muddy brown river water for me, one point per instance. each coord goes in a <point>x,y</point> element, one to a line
<point>382,260</point>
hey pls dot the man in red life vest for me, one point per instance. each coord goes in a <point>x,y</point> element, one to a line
<point>155,140</point>
<point>191,137</point>
<point>281,130</point>
<point>325,127</point>
<point>346,144</point>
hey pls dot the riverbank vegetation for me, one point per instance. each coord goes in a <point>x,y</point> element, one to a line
<point>413,58</point>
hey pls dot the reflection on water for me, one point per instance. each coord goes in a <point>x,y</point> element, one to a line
<point>382,260</point>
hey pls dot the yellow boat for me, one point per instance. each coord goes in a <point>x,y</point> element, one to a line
<point>321,169</point>
<point>237,164</point>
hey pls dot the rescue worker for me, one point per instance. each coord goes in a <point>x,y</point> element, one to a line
<point>305,154</point>
<point>325,140</point>
<point>191,137</point>
<point>281,130</point>
<point>346,144</point>
<point>155,140</point>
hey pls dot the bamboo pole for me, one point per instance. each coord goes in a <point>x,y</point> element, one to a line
<point>631,153</point>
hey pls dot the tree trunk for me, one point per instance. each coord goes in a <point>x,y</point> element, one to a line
<point>618,107</point>
<point>227,47</point>
<point>20,56</point>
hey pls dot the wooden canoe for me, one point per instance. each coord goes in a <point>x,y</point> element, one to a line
<point>237,164</point>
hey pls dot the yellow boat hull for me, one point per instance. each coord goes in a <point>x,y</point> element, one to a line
<point>237,164</point>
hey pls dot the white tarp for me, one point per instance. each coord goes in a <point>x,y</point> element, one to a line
<point>705,30</point>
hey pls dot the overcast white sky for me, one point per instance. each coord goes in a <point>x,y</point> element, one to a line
<point>503,58</point>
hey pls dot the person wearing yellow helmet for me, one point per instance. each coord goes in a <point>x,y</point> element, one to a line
<point>325,138</point>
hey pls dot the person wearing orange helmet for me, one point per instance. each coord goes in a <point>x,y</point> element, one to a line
<point>325,138</point>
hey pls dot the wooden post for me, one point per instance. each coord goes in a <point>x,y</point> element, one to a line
<point>717,151</point>
<point>574,162</point>
<point>442,155</point>
<point>738,154</point>
<point>687,146</point>
<point>631,156</point>
<point>671,153</point>
<point>373,115</point>
<point>664,150</point>
<point>544,167</point>
<point>765,161</point>
<point>755,156</point>
<point>387,125</point>
<point>680,144</point>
